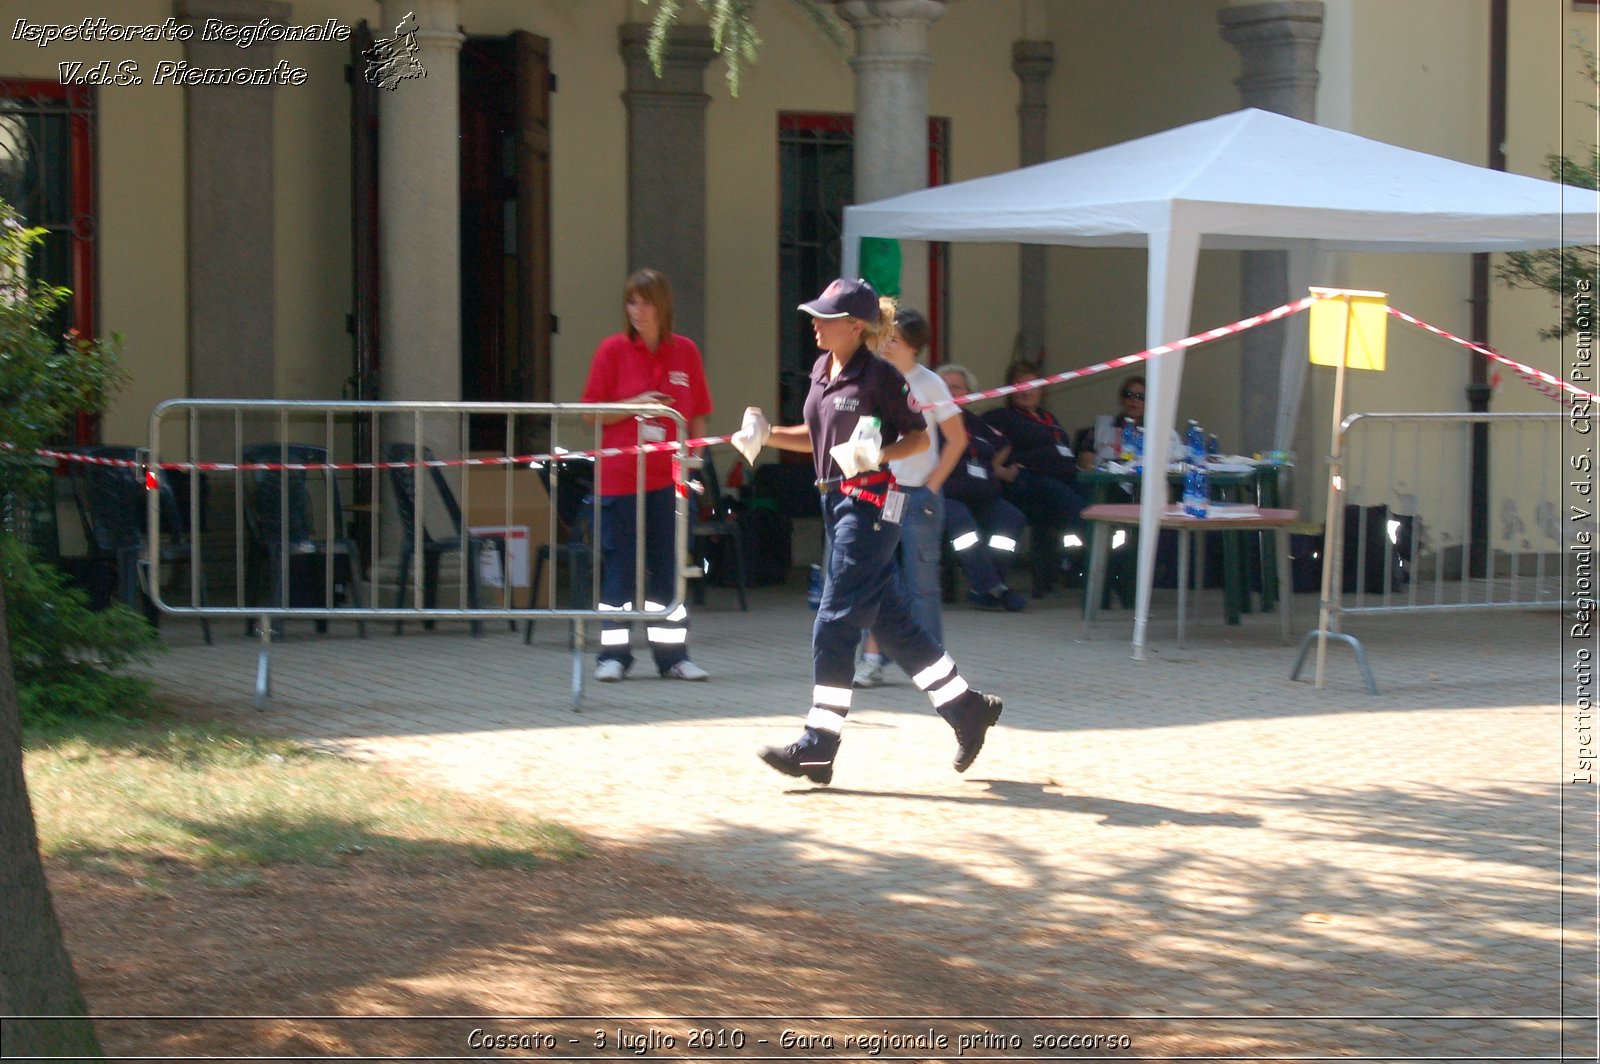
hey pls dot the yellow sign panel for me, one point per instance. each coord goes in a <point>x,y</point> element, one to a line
<point>1349,327</point>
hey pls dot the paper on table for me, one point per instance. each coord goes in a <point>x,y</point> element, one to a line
<point>1220,511</point>
<point>1122,469</point>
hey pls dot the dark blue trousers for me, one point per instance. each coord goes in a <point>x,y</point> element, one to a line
<point>618,536</point>
<point>984,536</point>
<point>863,590</point>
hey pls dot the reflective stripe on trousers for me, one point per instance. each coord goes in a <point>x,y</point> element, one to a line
<point>668,636</point>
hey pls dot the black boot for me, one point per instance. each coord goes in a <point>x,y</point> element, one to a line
<point>810,756</point>
<point>972,715</point>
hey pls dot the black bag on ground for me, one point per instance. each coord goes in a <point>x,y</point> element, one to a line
<point>768,550</point>
<point>769,547</point>
<point>1377,548</point>
<point>1305,561</point>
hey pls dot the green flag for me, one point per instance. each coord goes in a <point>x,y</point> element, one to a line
<point>880,264</point>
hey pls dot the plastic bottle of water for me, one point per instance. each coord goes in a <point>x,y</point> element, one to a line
<point>814,588</point>
<point>1195,502</point>
<point>1196,492</point>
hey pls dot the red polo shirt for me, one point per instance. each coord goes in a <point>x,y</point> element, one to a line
<point>622,368</point>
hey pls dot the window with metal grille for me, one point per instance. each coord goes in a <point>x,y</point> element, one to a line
<point>816,173</point>
<point>47,173</point>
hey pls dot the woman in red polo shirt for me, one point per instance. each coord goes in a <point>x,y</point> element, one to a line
<point>861,514</point>
<point>646,363</point>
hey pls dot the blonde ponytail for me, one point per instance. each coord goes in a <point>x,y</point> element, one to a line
<point>878,333</point>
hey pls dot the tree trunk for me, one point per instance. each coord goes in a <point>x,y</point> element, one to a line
<point>36,976</point>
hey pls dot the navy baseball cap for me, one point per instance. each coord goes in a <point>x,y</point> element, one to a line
<point>845,299</point>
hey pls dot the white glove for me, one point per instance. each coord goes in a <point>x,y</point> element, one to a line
<point>752,435</point>
<point>863,451</point>
<point>855,457</point>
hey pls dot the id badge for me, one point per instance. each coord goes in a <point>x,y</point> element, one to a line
<point>894,505</point>
<point>977,471</point>
<point>654,433</point>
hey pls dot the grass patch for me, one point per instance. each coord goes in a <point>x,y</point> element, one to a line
<point>136,796</point>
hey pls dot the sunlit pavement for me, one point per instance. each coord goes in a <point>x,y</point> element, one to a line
<point>1192,835</point>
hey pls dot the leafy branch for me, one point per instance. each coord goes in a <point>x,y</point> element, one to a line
<point>733,31</point>
<point>1563,272</point>
<point>64,658</point>
<point>44,380</point>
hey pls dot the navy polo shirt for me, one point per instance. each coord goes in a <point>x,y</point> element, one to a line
<point>1035,439</point>
<point>984,441</point>
<point>867,386</point>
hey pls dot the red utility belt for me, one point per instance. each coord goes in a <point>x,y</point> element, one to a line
<point>860,487</point>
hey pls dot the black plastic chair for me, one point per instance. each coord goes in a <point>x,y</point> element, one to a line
<point>573,499</point>
<point>403,475</point>
<point>111,503</point>
<point>720,520</point>
<point>288,530</point>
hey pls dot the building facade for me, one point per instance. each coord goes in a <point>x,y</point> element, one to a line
<point>465,233</point>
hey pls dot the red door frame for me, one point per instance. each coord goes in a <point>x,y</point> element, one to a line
<point>78,102</point>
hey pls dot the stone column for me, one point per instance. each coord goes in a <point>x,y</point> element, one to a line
<point>419,260</point>
<point>419,225</point>
<point>1032,61</point>
<point>1277,45</point>
<point>891,128</point>
<point>232,297</point>
<point>667,165</point>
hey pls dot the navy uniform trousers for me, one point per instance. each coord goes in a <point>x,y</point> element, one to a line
<point>619,533</point>
<point>863,591</point>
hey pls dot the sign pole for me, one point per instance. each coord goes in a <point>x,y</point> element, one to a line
<point>1367,311</point>
<point>1330,537</point>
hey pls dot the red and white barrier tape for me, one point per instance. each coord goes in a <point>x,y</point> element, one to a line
<point>1143,356</point>
<point>1550,385</point>
<point>229,467</point>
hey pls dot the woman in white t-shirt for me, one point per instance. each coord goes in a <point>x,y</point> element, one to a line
<point>921,477</point>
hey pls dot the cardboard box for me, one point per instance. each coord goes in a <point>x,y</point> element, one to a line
<point>505,560</point>
<point>528,507</point>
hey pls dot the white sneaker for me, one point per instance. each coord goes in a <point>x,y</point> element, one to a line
<point>869,673</point>
<point>686,670</point>
<point>609,671</point>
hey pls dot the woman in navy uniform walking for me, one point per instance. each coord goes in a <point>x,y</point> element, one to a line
<point>860,515</point>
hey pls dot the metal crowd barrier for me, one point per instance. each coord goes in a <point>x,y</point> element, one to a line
<point>278,505</point>
<point>1401,532</point>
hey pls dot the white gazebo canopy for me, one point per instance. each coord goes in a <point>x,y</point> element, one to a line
<point>1251,180</point>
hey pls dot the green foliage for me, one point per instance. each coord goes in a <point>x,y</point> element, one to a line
<point>64,655</point>
<point>44,380</point>
<point>733,31</point>
<point>1563,272</point>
